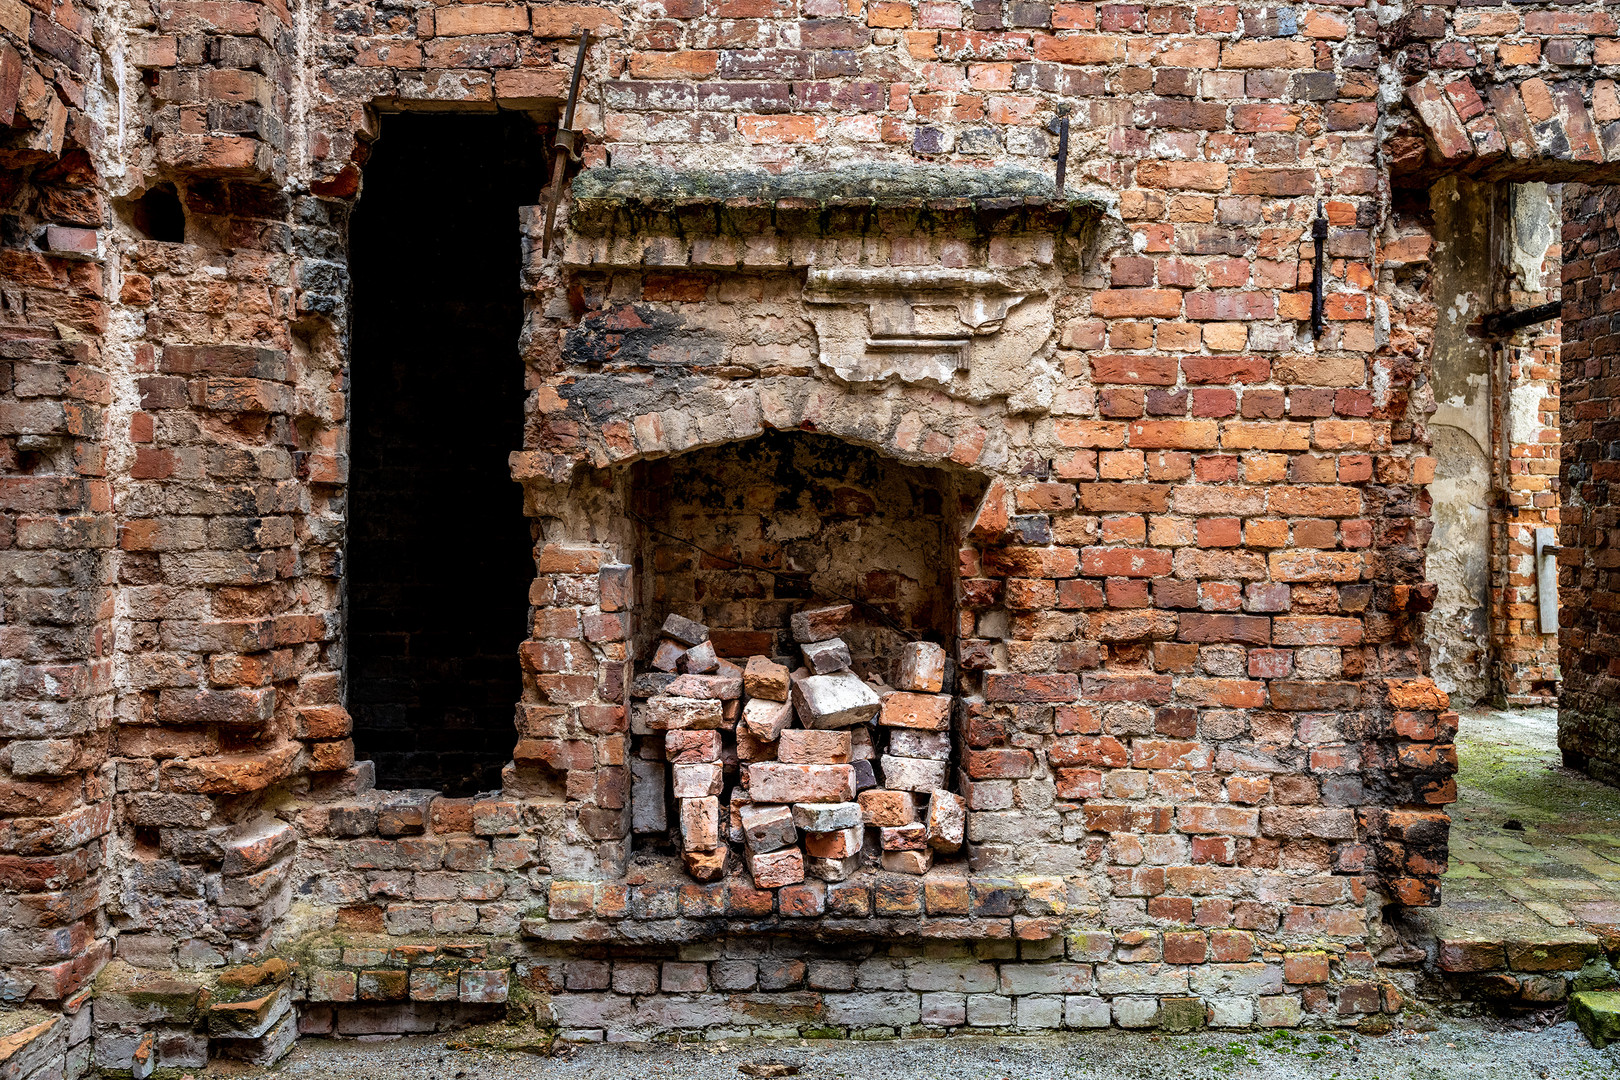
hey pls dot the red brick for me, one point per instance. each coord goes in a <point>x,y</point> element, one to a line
<point>1124,562</point>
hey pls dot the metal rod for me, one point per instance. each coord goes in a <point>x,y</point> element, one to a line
<point>1062,154</point>
<point>1319,231</point>
<point>1499,323</point>
<point>573,84</point>
<point>567,144</point>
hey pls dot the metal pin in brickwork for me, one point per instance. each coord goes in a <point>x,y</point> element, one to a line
<point>567,144</point>
<point>1504,323</point>
<point>1319,229</point>
<point>1059,126</point>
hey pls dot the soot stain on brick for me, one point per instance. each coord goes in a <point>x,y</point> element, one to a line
<point>640,335</point>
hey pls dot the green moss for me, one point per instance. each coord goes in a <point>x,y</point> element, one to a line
<point>1597,974</point>
<point>882,183</point>
<point>1520,779</point>
<point>1598,1014</point>
<point>1180,1014</point>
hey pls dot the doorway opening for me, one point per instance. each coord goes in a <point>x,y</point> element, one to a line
<point>439,550</point>
<point>1494,281</point>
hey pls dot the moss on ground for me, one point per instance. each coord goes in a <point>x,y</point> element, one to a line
<point>1528,783</point>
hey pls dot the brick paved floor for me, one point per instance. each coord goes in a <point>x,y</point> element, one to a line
<point>1543,897</point>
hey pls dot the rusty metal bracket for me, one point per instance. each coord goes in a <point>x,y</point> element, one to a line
<point>567,144</point>
<point>1502,323</point>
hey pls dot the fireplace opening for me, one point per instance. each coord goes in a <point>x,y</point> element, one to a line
<point>439,551</point>
<point>765,563</point>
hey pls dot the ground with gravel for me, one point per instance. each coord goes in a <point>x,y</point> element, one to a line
<point>1457,1050</point>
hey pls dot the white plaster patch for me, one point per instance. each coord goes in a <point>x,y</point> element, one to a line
<point>1532,235</point>
<point>1524,413</point>
<point>1467,411</point>
<point>1457,561</point>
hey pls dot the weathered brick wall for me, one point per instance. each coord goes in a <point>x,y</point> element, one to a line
<point>1523,92</point>
<point>1587,730</point>
<point>219,85</point>
<point>1188,614</point>
<point>56,530</point>
<point>228,568</point>
<point>56,596</point>
<point>1526,658</point>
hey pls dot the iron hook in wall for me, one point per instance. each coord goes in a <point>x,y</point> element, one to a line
<point>1319,231</point>
<point>1059,126</point>
<point>568,142</point>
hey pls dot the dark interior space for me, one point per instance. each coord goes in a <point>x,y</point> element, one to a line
<point>439,549</point>
<point>157,214</point>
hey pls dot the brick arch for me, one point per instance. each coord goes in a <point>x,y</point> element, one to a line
<point>1521,94</point>
<point>1537,129</point>
<point>914,425</point>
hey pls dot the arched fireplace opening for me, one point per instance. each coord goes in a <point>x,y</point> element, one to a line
<point>802,587</point>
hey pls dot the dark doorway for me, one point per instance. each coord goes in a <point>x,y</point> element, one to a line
<point>439,550</point>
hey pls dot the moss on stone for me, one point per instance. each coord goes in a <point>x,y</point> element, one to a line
<point>1597,1012</point>
<point>882,183</point>
<point>1596,974</point>
<point>1180,1014</point>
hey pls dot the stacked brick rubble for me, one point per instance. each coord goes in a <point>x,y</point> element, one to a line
<point>795,778</point>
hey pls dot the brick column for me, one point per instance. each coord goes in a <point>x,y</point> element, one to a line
<point>572,722</point>
<point>1589,587</point>
<point>229,570</point>
<point>56,600</point>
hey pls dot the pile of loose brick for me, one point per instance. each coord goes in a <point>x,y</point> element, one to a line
<point>857,767</point>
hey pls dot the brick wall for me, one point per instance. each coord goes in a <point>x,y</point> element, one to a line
<point>57,528</point>
<point>1587,731</point>
<point>1188,613</point>
<point>56,532</point>
<point>833,519</point>
<point>228,571</point>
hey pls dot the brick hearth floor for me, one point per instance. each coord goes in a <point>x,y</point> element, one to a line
<point>1535,901</point>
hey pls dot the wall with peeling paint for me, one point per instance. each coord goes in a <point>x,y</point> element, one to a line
<point>1457,629</point>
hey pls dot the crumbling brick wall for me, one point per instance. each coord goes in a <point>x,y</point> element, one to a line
<point>58,528</point>
<point>1188,614</point>
<point>229,596</point>
<point>1587,730</point>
